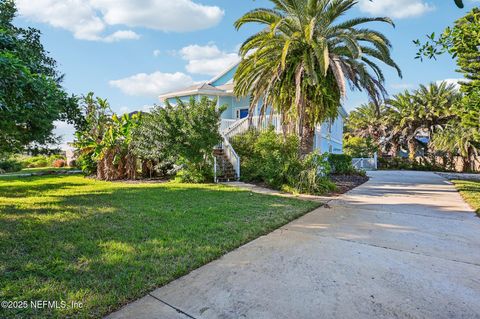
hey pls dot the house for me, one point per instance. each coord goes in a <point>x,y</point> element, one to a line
<point>328,136</point>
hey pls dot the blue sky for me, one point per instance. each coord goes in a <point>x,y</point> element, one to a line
<point>130,51</point>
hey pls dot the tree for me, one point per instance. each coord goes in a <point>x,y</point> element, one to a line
<point>300,63</point>
<point>31,97</point>
<point>403,116</point>
<point>366,122</point>
<point>461,42</point>
<point>105,143</point>
<point>185,134</point>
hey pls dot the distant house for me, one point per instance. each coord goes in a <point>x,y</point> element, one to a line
<point>328,136</point>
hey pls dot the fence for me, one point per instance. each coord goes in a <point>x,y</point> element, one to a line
<point>366,163</point>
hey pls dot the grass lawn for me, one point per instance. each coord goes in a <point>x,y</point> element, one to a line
<point>69,238</point>
<point>470,191</point>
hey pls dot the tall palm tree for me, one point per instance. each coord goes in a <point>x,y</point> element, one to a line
<point>403,116</point>
<point>303,58</point>
<point>365,122</point>
<point>436,104</point>
<point>458,140</point>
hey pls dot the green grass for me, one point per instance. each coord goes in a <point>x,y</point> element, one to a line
<point>70,238</point>
<point>470,191</point>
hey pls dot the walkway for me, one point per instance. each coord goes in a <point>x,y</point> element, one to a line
<point>403,245</point>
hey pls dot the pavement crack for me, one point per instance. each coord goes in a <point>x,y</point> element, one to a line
<point>173,307</point>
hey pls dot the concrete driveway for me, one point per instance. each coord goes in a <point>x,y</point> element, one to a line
<point>403,245</point>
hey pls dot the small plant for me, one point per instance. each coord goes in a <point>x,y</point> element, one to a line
<point>341,164</point>
<point>10,165</point>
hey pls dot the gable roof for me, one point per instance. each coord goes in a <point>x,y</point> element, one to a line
<point>205,88</point>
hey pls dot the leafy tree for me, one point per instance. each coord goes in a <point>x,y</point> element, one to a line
<point>31,97</point>
<point>301,61</point>
<point>357,146</point>
<point>462,43</point>
<point>185,134</point>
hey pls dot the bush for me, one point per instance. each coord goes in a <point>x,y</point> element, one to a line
<point>312,178</point>
<point>341,164</point>
<point>359,147</point>
<point>59,163</point>
<point>400,163</point>
<point>40,160</point>
<point>195,174</point>
<point>273,159</point>
<point>10,165</point>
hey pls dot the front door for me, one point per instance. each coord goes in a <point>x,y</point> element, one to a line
<point>242,113</point>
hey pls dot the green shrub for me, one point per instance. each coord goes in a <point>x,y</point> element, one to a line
<point>40,160</point>
<point>273,159</point>
<point>312,178</point>
<point>341,164</point>
<point>267,157</point>
<point>191,174</point>
<point>10,165</point>
<point>359,147</point>
<point>400,163</point>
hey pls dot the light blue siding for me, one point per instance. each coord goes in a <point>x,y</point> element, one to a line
<point>224,79</point>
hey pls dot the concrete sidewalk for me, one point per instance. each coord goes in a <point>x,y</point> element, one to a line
<point>403,245</point>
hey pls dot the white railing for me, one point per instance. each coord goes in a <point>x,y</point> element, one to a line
<point>239,127</point>
<point>225,124</point>
<point>261,123</point>
<point>366,163</point>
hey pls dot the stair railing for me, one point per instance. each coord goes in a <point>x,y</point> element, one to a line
<point>231,155</point>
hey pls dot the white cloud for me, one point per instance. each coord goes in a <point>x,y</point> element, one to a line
<point>152,84</point>
<point>121,35</point>
<point>396,8</point>
<point>88,19</point>
<point>208,59</point>
<point>156,53</point>
<point>455,82</point>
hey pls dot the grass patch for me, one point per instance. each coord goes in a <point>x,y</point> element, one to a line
<point>70,238</point>
<point>470,191</point>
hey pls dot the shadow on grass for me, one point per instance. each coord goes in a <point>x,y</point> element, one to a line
<point>104,244</point>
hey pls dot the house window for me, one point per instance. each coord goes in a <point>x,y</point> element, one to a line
<point>242,113</point>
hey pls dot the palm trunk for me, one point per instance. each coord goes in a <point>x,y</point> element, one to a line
<point>394,149</point>
<point>306,140</point>
<point>411,149</point>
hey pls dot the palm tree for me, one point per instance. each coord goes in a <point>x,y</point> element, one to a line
<point>365,122</point>
<point>300,62</point>
<point>404,119</point>
<point>457,139</point>
<point>435,103</point>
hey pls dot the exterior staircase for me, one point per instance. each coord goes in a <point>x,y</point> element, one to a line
<point>224,170</point>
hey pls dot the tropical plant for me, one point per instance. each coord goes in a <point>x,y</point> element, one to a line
<point>458,140</point>
<point>87,140</point>
<point>300,63</point>
<point>366,122</point>
<point>404,121</point>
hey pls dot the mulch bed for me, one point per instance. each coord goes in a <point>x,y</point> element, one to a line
<point>347,182</point>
